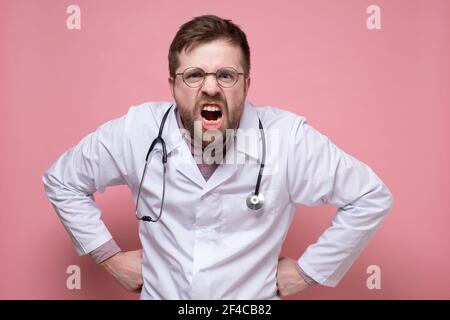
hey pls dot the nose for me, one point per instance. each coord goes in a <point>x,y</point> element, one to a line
<point>210,86</point>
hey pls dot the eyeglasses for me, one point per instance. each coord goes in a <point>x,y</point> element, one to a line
<point>194,77</point>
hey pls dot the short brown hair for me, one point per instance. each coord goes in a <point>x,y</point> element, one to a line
<point>204,29</point>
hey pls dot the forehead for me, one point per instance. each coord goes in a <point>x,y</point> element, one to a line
<point>211,56</point>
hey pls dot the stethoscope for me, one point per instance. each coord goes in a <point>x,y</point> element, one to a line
<point>255,200</point>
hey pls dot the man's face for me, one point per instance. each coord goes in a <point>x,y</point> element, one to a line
<point>196,104</point>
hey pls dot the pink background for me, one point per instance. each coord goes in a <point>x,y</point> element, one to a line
<point>381,95</point>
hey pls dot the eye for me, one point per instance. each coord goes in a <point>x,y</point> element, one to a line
<point>226,75</point>
<point>194,75</point>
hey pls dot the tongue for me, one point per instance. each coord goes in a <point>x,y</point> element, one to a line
<point>208,125</point>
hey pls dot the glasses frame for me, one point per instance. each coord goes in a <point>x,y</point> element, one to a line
<point>205,74</point>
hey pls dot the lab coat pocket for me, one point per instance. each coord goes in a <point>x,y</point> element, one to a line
<point>241,226</point>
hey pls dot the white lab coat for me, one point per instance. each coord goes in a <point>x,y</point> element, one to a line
<point>208,244</point>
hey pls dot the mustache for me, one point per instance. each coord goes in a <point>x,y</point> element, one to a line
<point>219,102</point>
<point>205,100</point>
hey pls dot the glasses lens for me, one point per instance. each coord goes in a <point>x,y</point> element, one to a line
<point>193,76</point>
<point>227,77</point>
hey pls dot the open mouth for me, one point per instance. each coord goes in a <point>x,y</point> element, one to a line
<point>211,116</point>
<point>211,112</point>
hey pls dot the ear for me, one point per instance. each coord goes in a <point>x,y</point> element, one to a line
<point>171,84</point>
<point>247,85</point>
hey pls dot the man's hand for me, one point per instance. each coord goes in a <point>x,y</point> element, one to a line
<point>126,268</point>
<point>289,280</point>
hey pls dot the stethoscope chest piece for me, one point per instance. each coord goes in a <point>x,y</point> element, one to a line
<point>254,201</point>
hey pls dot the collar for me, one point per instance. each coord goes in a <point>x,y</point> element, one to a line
<point>172,134</point>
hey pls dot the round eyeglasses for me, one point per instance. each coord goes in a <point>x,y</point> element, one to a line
<point>194,77</point>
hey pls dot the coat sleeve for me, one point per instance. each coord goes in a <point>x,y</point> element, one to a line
<point>321,173</point>
<point>92,165</point>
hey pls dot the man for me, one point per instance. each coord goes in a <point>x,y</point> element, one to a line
<point>202,236</point>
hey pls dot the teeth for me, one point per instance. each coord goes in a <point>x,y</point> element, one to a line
<point>211,108</point>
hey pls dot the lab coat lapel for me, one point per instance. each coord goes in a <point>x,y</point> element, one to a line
<point>187,167</point>
<point>179,153</point>
<point>224,171</point>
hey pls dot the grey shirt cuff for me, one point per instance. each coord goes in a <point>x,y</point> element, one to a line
<point>105,251</point>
